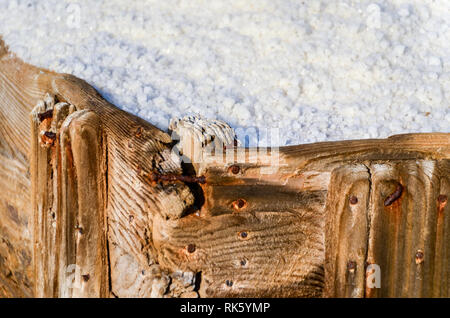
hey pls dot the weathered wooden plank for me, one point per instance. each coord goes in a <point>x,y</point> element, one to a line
<point>257,198</point>
<point>346,231</point>
<point>407,230</point>
<point>68,182</point>
<point>253,254</point>
<point>16,218</point>
<point>16,253</point>
<point>441,273</point>
<point>43,206</point>
<point>135,149</point>
<point>85,219</point>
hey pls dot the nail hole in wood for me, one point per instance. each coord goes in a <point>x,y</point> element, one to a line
<point>243,234</point>
<point>138,133</point>
<point>351,266</point>
<point>239,204</point>
<point>191,248</point>
<point>234,169</point>
<point>419,257</point>
<point>353,200</point>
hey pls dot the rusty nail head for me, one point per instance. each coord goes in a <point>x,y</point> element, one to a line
<point>442,198</point>
<point>419,256</point>
<point>191,248</point>
<point>234,169</point>
<point>351,266</point>
<point>353,200</point>
<point>395,195</point>
<point>86,277</point>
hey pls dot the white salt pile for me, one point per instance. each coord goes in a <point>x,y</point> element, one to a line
<point>318,70</point>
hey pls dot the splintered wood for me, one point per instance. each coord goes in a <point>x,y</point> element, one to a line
<point>96,202</point>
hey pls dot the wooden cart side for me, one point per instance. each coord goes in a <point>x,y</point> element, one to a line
<point>276,222</point>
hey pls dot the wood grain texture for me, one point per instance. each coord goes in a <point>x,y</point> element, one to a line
<point>134,148</point>
<point>346,231</point>
<point>406,237</point>
<point>265,222</point>
<point>255,252</point>
<point>16,234</point>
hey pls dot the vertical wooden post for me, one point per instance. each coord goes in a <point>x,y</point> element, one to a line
<point>44,204</point>
<point>409,225</point>
<point>346,230</point>
<point>85,225</point>
<point>69,191</point>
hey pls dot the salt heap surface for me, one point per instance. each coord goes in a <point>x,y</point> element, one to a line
<point>309,70</point>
